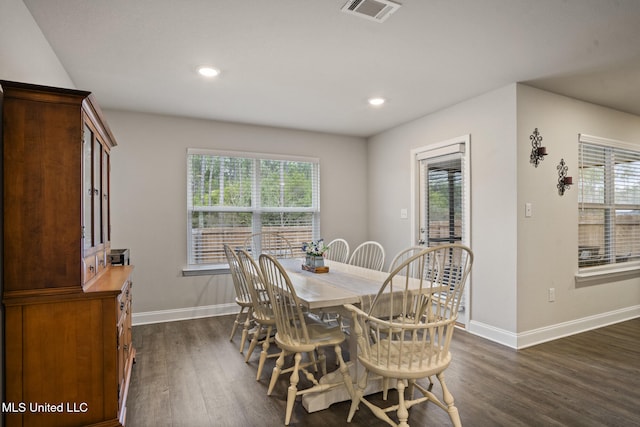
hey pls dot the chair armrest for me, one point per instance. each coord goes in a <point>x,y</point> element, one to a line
<point>352,308</point>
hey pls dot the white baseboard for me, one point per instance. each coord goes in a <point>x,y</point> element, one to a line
<point>183,314</point>
<point>550,333</point>
<point>501,336</point>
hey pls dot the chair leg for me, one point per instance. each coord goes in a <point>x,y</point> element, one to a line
<point>253,343</point>
<point>385,388</point>
<point>264,353</point>
<point>245,330</point>
<point>293,388</point>
<point>276,372</point>
<point>344,370</point>
<point>322,360</point>
<point>448,400</point>
<point>312,358</point>
<point>403,412</point>
<point>236,322</point>
<point>357,395</point>
<point>411,389</point>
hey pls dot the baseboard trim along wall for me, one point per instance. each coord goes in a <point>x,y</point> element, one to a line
<point>549,333</point>
<point>183,313</point>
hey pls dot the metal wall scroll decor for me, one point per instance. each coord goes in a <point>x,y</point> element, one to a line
<point>537,150</point>
<point>564,181</point>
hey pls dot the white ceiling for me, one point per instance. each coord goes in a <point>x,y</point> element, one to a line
<point>305,64</point>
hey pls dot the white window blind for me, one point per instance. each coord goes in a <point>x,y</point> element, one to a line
<point>233,195</point>
<point>609,203</point>
<point>443,198</point>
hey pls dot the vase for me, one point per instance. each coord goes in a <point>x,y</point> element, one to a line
<point>314,261</point>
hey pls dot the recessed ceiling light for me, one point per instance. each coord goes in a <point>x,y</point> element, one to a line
<point>208,71</point>
<point>376,102</point>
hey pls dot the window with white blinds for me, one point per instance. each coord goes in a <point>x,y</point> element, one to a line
<point>609,203</point>
<point>231,196</point>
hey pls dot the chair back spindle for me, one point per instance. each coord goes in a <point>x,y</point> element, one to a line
<point>269,243</point>
<point>369,254</point>
<point>243,297</point>
<point>255,284</point>
<point>338,250</point>
<point>290,320</point>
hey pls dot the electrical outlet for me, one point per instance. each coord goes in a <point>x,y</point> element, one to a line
<point>552,294</point>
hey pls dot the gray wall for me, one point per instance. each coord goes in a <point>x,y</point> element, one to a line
<point>25,55</point>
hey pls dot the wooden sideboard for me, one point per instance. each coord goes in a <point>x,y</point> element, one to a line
<point>68,351</point>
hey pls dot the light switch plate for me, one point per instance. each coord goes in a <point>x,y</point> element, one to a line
<point>528,210</point>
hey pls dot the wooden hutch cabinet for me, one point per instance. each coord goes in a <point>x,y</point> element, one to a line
<point>67,310</point>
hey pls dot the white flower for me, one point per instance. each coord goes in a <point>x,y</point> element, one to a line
<point>315,247</point>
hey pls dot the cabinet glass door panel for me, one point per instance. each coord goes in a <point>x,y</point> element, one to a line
<point>105,197</point>
<point>97,196</point>
<point>87,188</point>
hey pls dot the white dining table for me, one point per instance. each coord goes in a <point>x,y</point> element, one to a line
<point>342,284</point>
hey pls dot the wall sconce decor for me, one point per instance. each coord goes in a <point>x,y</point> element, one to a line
<point>564,181</point>
<point>537,150</point>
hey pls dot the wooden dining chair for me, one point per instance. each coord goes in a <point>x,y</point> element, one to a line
<point>369,254</point>
<point>268,243</point>
<point>263,315</point>
<point>243,297</point>
<point>297,334</point>
<point>406,332</point>
<point>338,251</point>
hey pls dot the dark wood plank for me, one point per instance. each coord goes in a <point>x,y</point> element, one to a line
<point>189,374</point>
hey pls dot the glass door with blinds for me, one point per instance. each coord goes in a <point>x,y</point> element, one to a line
<point>443,198</point>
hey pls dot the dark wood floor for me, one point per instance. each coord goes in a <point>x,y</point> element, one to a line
<point>188,374</point>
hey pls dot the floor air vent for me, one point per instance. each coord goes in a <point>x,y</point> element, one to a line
<point>375,10</point>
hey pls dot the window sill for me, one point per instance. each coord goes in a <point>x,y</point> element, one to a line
<point>205,270</point>
<point>596,276</point>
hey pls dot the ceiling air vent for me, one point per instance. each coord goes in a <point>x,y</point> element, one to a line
<point>375,10</point>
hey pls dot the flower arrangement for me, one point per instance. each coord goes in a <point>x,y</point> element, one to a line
<point>315,247</point>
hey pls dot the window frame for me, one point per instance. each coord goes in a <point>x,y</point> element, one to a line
<point>609,271</point>
<point>256,209</point>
